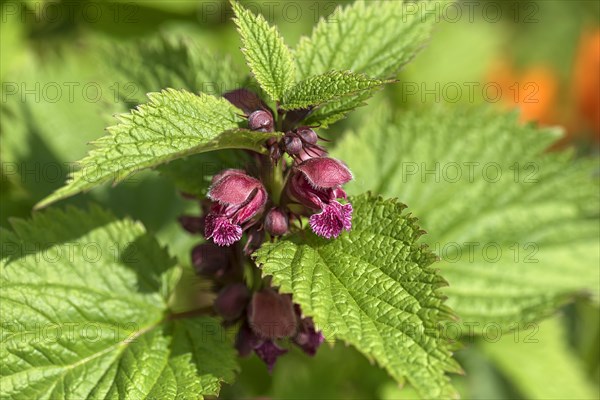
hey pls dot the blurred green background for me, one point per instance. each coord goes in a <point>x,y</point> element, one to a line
<point>60,91</point>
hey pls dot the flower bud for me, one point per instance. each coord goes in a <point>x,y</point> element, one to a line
<point>231,301</point>
<point>271,315</point>
<point>226,172</point>
<point>292,144</point>
<point>232,187</point>
<point>275,153</point>
<point>276,222</point>
<point>261,121</point>
<point>211,260</point>
<point>192,224</point>
<point>307,135</point>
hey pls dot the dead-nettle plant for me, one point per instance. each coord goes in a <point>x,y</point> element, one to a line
<point>289,252</point>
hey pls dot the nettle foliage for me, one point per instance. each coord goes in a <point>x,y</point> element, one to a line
<point>507,219</point>
<point>297,247</point>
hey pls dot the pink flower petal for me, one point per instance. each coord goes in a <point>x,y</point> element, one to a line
<point>233,188</point>
<point>332,220</point>
<point>325,172</point>
<point>221,230</point>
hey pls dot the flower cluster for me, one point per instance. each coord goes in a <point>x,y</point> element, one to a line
<point>270,317</point>
<point>312,181</point>
<point>265,317</point>
<point>296,180</point>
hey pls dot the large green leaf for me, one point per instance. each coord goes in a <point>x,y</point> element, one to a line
<point>85,315</point>
<point>376,38</point>
<point>42,134</point>
<point>266,54</point>
<point>539,362</point>
<point>333,85</point>
<point>174,62</point>
<point>174,124</point>
<point>516,228</point>
<point>373,288</point>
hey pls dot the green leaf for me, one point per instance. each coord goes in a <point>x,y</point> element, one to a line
<point>320,89</point>
<point>85,315</point>
<point>516,227</point>
<point>376,38</point>
<point>540,362</point>
<point>266,54</point>
<point>172,125</point>
<point>49,133</point>
<point>175,62</point>
<point>373,288</point>
<point>336,110</point>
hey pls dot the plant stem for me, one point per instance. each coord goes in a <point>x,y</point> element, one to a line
<point>280,115</point>
<point>277,182</point>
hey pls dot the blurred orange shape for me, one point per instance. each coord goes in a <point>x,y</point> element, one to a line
<point>534,91</point>
<point>586,84</point>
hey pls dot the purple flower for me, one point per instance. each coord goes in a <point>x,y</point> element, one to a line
<point>307,338</point>
<point>236,198</point>
<point>268,351</point>
<point>221,229</point>
<point>316,183</point>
